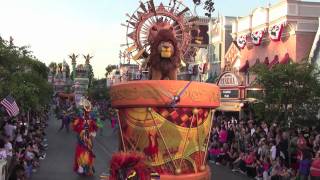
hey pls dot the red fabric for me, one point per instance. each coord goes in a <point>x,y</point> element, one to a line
<point>249,159</point>
<point>315,164</point>
<point>126,163</point>
<point>84,156</point>
<point>152,149</point>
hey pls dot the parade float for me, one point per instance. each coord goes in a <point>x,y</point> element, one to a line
<point>72,85</point>
<point>164,122</point>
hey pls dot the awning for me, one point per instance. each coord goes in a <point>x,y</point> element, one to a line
<point>229,106</point>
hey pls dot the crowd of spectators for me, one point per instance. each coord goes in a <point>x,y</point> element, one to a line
<point>266,151</point>
<point>23,143</point>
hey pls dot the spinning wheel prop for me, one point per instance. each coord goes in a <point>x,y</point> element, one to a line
<point>143,25</point>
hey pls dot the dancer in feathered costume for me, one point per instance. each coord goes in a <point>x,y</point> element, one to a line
<point>86,129</point>
<point>128,166</point>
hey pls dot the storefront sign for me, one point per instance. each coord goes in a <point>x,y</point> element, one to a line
<point>229,106</point>
<point>255,94</point>
<point>230,93</point>
<point>228,79</point>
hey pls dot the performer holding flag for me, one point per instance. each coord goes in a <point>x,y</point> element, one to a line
<point>86,129</point>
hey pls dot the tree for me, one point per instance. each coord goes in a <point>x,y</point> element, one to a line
<point>109,69</point>
<point>99,90</point>
<point>291,92</point>
<point>23,76</point>
<point>90,75</point>
<point>53,67</point>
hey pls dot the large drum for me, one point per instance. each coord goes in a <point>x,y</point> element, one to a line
<point>170,122</point>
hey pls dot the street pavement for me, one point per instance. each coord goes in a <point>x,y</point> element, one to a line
<point>60,155</point>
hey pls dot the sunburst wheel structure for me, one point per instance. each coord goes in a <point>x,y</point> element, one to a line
<point>143,25</point>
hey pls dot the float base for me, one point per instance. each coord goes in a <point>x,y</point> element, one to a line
<point>205,175</point>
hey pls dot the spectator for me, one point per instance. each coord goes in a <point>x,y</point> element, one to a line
<point>223,135</point>
<point>3,152</point>
<point>18,173</point>
<point>315,167</point>
<point>273,151</point>
<point>214,153</point>
<point>305,163</point>
<point>9,129</point>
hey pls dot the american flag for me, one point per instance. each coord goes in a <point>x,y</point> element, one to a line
<point>11,106</point>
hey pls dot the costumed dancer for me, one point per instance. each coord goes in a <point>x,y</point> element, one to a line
<point>86,129</point>
<point>96,115</point>
<point>129,166</point>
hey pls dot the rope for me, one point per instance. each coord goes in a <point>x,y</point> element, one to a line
<point>176,98</point>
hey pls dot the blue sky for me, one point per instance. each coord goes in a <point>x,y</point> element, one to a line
<point>56,28</point>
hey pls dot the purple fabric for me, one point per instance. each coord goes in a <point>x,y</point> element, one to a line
<point>304,167</point>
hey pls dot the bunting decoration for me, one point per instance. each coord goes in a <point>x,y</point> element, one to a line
<point>241,41</point>
<point>257,37</point>
<point>275,32</point>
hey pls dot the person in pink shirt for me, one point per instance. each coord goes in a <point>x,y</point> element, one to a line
<point>315,167</point>
<point>223,135</point>
<point>214,153</point>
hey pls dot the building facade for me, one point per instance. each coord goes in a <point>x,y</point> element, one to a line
<point>221,39</point>
<point>272,35</point>
<point>60,77</point>
<point>125,73</point>
<point>315,50</point>
<point>197,57</point>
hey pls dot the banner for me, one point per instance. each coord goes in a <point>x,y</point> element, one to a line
<point>241,41</point>
<point>275,32</point>
<point>257,37</point>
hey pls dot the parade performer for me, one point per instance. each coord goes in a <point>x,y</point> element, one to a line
<point>129,166</point>
<point>86,129</point>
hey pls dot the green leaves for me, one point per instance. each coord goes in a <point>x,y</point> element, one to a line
<point>23,76</point>
<point>291,91</point>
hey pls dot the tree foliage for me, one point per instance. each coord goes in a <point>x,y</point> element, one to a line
<point>99,90</point>
<point>291,92</point>
<point>110,68</point>
<point>23,77</point>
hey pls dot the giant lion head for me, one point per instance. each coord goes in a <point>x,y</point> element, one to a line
<point>165,51</point>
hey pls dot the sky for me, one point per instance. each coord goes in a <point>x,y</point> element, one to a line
<point>55,29</point>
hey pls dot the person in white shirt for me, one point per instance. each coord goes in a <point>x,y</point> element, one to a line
<point>8,147</point>
<point>273,151</point>
<point>251,126</point>
<point>9,130</point>
<point>3,153</point>
<point>264,126</point>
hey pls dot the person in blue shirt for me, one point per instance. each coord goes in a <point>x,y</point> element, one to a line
<point>304,165</point>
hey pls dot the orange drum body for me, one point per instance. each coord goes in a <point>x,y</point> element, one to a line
<point>173,135</point>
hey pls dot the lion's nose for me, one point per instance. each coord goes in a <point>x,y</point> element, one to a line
<point>166,47</point>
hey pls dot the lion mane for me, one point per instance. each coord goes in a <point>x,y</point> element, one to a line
<point>166,68</point>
